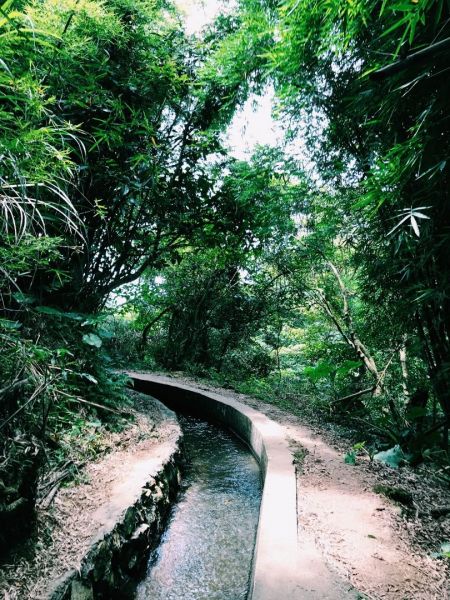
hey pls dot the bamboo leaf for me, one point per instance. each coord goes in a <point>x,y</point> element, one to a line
<point>415,226</point>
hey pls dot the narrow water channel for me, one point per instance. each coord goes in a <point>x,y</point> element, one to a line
<point>206,552</point>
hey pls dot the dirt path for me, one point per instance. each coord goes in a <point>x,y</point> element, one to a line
<point>351,536</point>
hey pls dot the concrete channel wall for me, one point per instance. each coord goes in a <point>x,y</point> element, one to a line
<point>275,575</point>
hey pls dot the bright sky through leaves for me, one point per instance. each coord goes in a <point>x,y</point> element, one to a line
<point>253,123</point>
<point>199,13</point>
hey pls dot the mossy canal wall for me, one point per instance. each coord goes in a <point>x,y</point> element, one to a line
<point>118,554</point>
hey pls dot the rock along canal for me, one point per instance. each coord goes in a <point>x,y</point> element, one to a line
<point>206,552</point>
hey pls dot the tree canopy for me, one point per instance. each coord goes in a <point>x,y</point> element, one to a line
<point>315,272</point>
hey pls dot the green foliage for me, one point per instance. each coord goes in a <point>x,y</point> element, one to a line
<point>350,458</point>
<point>324,289</point>
<point>375,132</point>
<point>112,166</point>
<point>357,449</point>
<point>124,344</point>
<point>320,371</point>
<point>91,339</point>
<point>444,551</point>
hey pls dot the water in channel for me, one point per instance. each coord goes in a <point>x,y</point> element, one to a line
<point>206,551</point>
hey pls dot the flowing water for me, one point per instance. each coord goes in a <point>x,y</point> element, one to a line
<point>206,552</point>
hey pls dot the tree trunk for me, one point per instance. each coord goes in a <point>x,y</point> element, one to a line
<point>404,368</point>
<point>150,324</point>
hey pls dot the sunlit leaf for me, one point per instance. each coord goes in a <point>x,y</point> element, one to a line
<point>415,226</point>
<point>91,339</point>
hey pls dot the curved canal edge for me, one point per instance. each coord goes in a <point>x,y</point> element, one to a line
<point>274,570</point>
